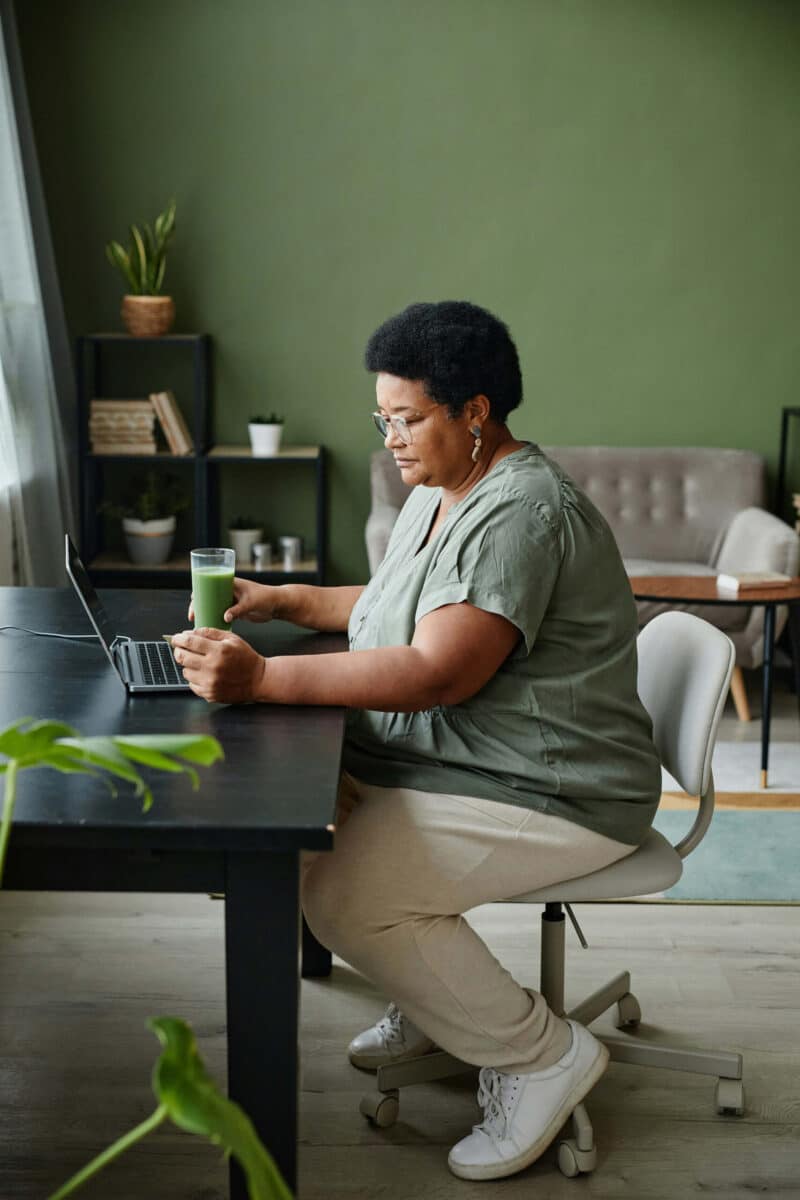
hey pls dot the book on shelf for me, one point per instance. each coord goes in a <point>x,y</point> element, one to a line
<point>126,423</point>
<point>122,439</point>
<point>170,418</point>
<point>743,580</point>
<point>124,447</point>
<point>128,426</point>
<point>134,428</point>
<point>98,406</point>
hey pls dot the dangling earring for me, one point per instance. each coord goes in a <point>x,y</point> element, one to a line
<point>476,433</point>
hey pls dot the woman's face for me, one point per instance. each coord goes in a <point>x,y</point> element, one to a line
<point>440,453</point>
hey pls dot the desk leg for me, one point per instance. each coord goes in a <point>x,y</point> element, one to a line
<point>263,992</point>
<point>766,690</point>
<point>316,958</point>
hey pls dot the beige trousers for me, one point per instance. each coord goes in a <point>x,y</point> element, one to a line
<point>389,900</point>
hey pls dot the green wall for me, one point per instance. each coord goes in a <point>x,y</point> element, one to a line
<point>618,179</point>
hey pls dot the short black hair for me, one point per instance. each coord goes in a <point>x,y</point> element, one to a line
<point>456,349</point>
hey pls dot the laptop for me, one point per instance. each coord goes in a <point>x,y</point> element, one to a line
<point>143,667</point>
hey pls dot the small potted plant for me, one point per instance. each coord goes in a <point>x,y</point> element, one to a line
<point>148,518</point>
<point>265,435</point>
<point>145,312</point>
<point>243,533</point>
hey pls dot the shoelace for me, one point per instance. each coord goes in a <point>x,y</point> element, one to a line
<point>495,1093</point>
<point>390,1026</point>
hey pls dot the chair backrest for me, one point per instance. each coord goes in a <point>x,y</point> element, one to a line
<point>685,668</point>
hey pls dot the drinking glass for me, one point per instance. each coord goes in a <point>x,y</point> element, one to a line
<point>212,586</point>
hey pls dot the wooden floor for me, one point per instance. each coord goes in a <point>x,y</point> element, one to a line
<point>80,974</point>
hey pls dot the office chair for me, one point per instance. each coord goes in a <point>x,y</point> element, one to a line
<point>685,668</point>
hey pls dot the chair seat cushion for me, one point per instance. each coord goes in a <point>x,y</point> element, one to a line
<point>653,867</point>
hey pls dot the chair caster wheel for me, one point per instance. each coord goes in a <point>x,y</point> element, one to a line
<point>729,1097</point>
<point>381,1108</point>
<point>572,1161</point>
<point>629,1014</point>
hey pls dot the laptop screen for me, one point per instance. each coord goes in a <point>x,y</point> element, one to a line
<point>89,598</point>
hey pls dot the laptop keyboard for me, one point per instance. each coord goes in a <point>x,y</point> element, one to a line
<point>157,663</point>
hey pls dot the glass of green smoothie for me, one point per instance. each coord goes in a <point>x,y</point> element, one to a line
<point>212,586</point>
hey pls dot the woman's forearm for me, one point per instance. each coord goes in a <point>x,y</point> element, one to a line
<point>391,679</point>
<point>325,608</point>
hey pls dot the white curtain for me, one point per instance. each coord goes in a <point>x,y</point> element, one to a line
<point>35,505</point>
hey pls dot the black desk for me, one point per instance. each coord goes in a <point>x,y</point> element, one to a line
<point>241,833</point>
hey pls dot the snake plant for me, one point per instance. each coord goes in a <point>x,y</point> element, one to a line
<point>144,262</point>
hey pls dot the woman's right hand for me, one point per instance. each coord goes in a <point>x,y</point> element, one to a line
<point>251,602</point>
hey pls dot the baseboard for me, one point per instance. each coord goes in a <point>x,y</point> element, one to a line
<point>784,801</point>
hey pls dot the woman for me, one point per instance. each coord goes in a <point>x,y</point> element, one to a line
<point>495,740</point>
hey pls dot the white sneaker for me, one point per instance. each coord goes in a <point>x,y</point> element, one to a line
<point>523,1113</point>
<point>393,1039</point>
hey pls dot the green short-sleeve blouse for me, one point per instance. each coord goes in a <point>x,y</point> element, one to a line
<point>559,727</point>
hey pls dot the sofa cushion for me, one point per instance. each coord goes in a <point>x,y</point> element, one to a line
<point>653,566</point>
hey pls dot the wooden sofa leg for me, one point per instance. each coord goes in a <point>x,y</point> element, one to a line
<point>739,694</point>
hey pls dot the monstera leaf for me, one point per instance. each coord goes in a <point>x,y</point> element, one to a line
<point>192,1101</point>
<point>30,743</point>
<point>186,1093</point>
<point>189,1097</point>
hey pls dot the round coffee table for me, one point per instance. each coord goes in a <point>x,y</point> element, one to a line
<point>702,589</point>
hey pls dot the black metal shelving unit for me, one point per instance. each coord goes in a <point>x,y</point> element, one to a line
<point>108,569</point>
<point>780,506</point>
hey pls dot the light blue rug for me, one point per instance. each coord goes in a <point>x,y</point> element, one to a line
<point>745,856</point>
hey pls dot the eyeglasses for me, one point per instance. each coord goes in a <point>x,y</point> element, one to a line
<point>399,425</point>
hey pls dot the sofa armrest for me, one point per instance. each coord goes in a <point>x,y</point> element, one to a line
<point>755,540</point>
<point>380,524</point>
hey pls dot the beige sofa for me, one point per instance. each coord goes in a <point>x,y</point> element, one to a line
<point>676,511</point>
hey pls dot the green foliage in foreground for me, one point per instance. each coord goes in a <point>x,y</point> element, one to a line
<point>30,743</point>
<point>185,1092</point>
<point>189,1097</point>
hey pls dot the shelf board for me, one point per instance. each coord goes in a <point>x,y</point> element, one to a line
<point>306,566</point>
<point>118,562</point>
<point>181,564</point>
<point>286,455</point>
<point>159,454</point>
<point>161,338</point>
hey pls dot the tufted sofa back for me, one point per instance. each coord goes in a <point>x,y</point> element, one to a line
<point>672,503</point>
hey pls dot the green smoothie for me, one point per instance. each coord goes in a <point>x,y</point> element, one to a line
<point>212,595</point>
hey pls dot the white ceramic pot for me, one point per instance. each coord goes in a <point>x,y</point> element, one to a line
<point>149,542</point>
<point>265,440</point>
<point>242,541</point>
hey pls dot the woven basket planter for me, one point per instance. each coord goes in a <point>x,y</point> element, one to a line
<point>148,316</point>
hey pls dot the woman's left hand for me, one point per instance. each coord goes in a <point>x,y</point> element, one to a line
<point>219,666</point>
